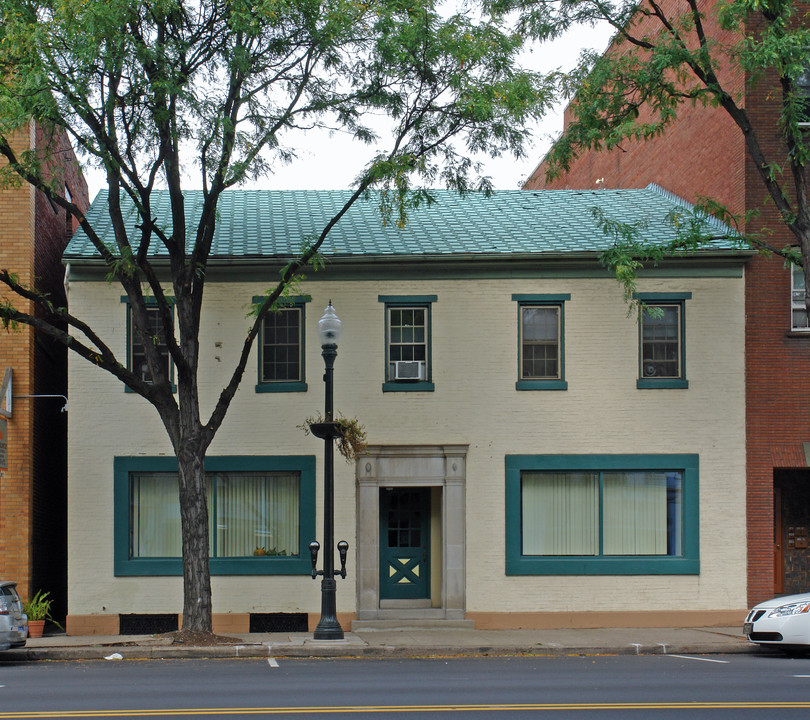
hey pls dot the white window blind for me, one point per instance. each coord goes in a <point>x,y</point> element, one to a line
<point>254,511</point>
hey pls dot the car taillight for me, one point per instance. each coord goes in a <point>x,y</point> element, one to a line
<point>4,605</point>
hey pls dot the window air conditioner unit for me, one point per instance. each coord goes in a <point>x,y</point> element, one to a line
<point>409,370</point>
<point>657,370</point>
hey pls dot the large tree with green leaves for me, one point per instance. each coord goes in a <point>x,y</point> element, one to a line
<point>667,56</point>
<point>155,91</point>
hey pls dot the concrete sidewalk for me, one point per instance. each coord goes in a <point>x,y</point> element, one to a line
<point>402,642</point>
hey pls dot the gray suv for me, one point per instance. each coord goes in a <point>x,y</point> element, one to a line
<point>13,621</point>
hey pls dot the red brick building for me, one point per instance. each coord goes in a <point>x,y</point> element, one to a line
<point>703,154</point>
<point>33,517</point>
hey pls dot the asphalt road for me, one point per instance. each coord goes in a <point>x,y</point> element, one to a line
<point>655,687</point>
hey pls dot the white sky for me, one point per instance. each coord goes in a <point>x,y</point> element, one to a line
<point>332,162</point>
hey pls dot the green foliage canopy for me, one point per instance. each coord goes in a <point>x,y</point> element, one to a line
<point>153,90</point>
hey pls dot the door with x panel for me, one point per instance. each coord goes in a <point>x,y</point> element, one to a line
<point>404,543</point>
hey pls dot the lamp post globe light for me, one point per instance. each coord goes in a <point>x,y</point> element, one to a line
<point>328,628</point>
<point>329,328</point>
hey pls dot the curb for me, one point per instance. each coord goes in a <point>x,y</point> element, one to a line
<point>165,652</point>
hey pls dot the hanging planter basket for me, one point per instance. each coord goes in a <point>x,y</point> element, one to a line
<point>349,433</point>
<point>325,430</point>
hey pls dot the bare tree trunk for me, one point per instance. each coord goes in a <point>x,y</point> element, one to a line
<point>194,517</point>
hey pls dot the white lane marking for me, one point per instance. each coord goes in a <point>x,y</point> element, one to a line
<point>688,657</point>
<point>272,662</point>
<point>804,676</point>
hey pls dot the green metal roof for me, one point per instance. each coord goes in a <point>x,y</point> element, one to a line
<point>275,223</point>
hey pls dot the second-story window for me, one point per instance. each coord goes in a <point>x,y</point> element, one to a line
<point>662,357</point>
<point>661,341</point>
<point>802,84</point>
<point>154,335</point>
<point>407,347</point>
<point>798,310</point>
<point>539,342</point>
<point>407,351</point>
<point>281,348</point>
<point>541,363</point>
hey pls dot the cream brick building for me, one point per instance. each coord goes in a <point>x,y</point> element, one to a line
<point>538,457</point>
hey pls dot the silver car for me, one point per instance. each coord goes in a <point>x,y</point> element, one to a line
<point>13,621</point>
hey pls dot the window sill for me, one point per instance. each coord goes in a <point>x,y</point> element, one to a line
<point>798,333</point>
<point>662,384</point>
<point>281,387</point>
<point>408,387</point>
<point>632,565</point>
<point>541,385</point>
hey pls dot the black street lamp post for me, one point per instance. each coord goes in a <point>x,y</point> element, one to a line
<point>328,627</point>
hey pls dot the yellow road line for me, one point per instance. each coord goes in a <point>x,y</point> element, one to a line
<point>356,709</point>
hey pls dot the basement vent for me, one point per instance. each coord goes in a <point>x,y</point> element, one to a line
<point>278,622</point>
<point>147,624</point>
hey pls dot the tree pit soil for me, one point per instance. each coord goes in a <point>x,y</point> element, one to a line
<point>190,638</point>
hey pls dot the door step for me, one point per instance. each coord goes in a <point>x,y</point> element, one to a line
<point>412,624</point>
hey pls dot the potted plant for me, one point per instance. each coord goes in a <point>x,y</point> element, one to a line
<point>38,610</point>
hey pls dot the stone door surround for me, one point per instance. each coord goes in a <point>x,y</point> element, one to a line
<point>442,466</point>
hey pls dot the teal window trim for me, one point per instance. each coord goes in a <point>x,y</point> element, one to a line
<point>541,298</point>
<point>663,298</point>
<point>688,563</point>
<point>407,299</point>
<point>421,301</point>
<point>299,302</point>
<point>400,386</point>
<point>541,385</point>
<point>125,565</point>
<point>662,384</point>
<point>558,300</point>
<point>149,302</point>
